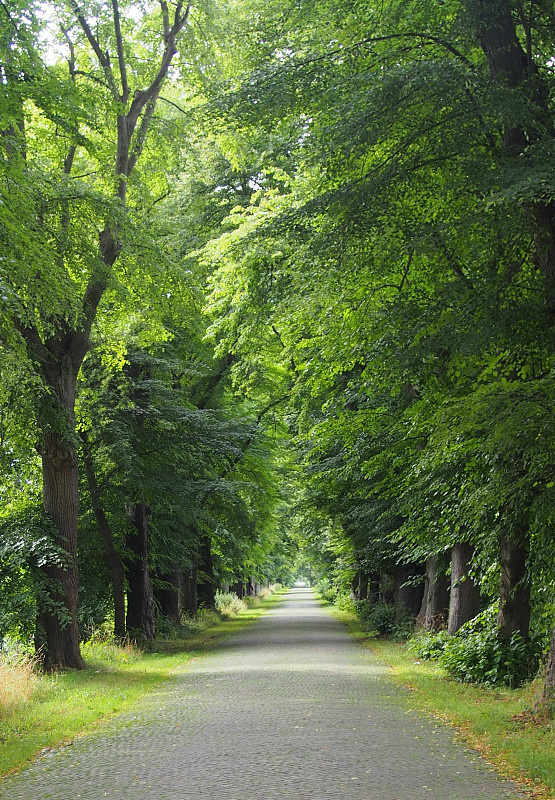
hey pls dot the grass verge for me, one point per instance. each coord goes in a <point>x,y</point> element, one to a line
<point>495,721</point>
<point>60,707</point>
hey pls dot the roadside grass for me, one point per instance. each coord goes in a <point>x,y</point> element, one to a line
<point>500,723</point>
<point>41,712</point>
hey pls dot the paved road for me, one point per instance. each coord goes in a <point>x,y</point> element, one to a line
<point>291,708</point>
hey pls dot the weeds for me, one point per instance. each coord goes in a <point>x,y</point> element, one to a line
<point>18,682</point>
<point>229,604</point>
<point>476,653</point>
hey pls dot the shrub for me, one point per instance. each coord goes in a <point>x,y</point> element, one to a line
<point>345,602</point>
<point>378,617</point>
<point>381,618</point>
<point>229,604</point>
<point>427,645</point>
<point>482,656</point>
<point>327,590</point>
<point>477,654</point>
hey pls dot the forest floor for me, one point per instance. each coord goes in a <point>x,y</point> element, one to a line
<point>289,707</point>
<point>42,712</point>
<point>499,722</point>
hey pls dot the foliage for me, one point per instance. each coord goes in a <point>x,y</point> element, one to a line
<point>27,545</point>
<point>427,645</point>
<point>228,604</point>
<point>482,656</point>
<point>327,590</point>
<point>476,653</point>
<point>382,618</point>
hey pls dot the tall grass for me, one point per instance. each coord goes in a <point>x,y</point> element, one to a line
<point>18,682</point>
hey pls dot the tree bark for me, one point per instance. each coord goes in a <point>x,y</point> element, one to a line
<point>111,555</point>
<point>387,588</point>
<point>169,599</point>
<point>407,599</point>
<point>355,583</point>
<point>436,595</point>
<point>549,685</point>
<point>464,601</point>
<point>140,608</point>
<point>57,631</point>
<point>206,588</point>
<point>514,589</point>
<point>189,590</point>
<point>57,634</point>
<point>362,586</point>
<point>239,589</point>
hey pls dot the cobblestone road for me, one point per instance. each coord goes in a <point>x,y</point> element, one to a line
<point>289,708</point>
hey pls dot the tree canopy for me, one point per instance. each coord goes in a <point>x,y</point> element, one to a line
<point>278,291</point>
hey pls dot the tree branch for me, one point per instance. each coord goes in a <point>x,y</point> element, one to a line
<point>121,55</point>
<point>141,134</point>
<point>103,58</point>
<point>171,103</point>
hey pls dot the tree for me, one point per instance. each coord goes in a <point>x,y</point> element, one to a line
<point>58,338</point>
<point>408,252</point>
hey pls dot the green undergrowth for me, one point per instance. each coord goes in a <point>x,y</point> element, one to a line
<point>56,709</point>
<point>500,722</point>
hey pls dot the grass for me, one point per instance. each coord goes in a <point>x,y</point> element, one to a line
<point>499,722</point>
<point>38,712</point>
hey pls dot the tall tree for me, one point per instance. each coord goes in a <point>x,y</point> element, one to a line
<point>57,340</point>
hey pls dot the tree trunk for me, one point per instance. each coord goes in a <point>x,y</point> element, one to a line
<point>206,588</point>
<point>514,589</point>
<point>111,555</point>
<point>355,584</point>
<point>189,590</point>
<point>512,67</point>
<point>407,599</point>
<point>140,609</point>
<point>169,597</point>
<point>57,631</point>
<point>387,588</point>
<point>464,601</point>
<point>437,595</point>
<point>363,586</point>
<point>549,685</point>
<point>373,588</point>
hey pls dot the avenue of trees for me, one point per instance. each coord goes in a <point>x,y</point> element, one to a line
<point>276,277</point>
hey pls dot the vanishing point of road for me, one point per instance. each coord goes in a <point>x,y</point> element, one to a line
<point>291,708</point>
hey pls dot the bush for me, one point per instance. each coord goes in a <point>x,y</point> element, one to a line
<point>477,654</point>
<point>228,604</point>
<point>377,618</point>
<point>327,590</point>
<point>427,645</point>
<point>345,602</point>
<point>381,618</point>
<point>482,656</point>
